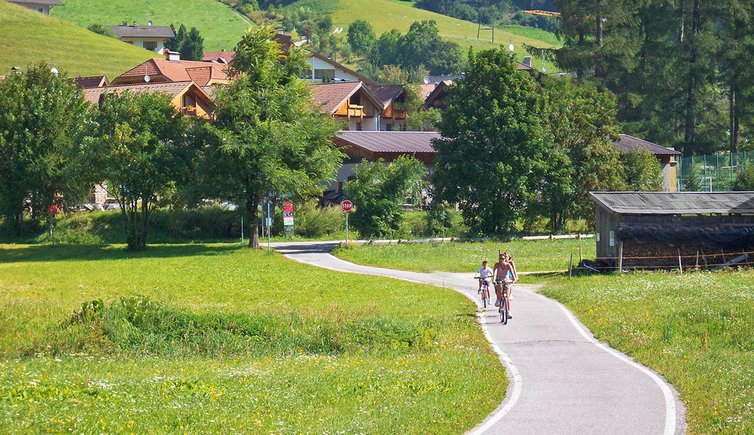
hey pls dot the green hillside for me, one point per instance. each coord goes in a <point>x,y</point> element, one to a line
<point>220,25</point>
<point>388,14</point>
<point>29,37</point>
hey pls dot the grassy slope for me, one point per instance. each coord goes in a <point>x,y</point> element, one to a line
<point>29,37</point>
<point>662,320</point>
<point>220,26</point>
<point>302,349</point>
<point>530,256</point>
<point>388,14</point>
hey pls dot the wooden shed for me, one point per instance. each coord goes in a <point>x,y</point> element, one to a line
<point>646,228</point>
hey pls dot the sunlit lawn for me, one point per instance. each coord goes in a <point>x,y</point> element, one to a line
<point>223,339</point>
<point>529,255</point>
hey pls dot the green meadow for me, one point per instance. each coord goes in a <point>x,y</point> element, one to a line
<point>391,14</point>
<point>215,337</point>
<point>530,255</point>
<point>220,25</point>
<point>28,37</point>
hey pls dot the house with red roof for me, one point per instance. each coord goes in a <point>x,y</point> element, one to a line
<point>206,75</point>
<point>186,97</point>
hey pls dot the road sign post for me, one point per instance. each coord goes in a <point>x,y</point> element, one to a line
<point>346,206</point>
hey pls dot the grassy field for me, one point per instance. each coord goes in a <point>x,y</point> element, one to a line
<point>29,37</point>
<point>213,338</point>
<point>391,14</point>
<point>696,329</point>
<point>220,25</point>
<point>530,256</point>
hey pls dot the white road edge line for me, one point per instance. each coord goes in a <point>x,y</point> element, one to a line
<point>517,382</point>
<point>670,411</point>
<point>516,385</point>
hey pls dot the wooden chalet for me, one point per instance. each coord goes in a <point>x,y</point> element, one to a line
<point>654,229</point>
<point>394,113</point>
<point>349,102</point>
<point>187,97</point>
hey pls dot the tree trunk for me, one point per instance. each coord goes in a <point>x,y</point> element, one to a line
<point>252,210</point>
<point>732,113</point>
<point>689,137</point>
<point>599,37</point>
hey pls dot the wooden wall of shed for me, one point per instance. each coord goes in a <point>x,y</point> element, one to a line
<point>606,222</point>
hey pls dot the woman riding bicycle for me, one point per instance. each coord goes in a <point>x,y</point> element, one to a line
<point>504,275</point>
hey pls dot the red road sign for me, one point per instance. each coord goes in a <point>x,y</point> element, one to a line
<point>346,206</point>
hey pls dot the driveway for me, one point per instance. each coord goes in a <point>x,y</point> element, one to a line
<point>562,380</point>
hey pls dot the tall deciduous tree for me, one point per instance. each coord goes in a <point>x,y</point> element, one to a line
<point>42,116</point>
<point>642,171</point>
<point>361,36</point>
<point>491,158</point>
<point>268,136</point>
<point>581,122</point>
<point>141,148</point>
<point>379,192</point>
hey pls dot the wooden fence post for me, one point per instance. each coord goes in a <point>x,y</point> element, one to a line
<point>697,260</point>
<point>680,265</point>
<point>620,257</point>
<point>570,267</point>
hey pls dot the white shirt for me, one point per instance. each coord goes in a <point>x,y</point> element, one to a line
<point>484,272</point>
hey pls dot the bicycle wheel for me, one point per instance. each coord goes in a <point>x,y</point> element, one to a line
<point>504,311</point>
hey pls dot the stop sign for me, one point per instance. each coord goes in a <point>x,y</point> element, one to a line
<point>346,205</point>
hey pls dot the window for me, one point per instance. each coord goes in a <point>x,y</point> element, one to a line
<point>355,99</point>
<point>188,101</point>
<point>324,74</point>
<point>388,127</point>
<point>150,45</point>
<point>358,126</point>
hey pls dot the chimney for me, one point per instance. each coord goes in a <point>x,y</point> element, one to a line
<point>527,61</point>
<point>173,56</point>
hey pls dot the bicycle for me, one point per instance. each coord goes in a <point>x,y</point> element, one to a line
<point>485,290</point>
<point>505,302</point>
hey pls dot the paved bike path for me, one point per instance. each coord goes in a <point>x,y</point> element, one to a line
<point>562,380</point>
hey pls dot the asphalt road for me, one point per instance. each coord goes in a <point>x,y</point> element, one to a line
<point>563,381</point>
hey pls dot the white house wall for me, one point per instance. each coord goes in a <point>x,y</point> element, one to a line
<point>340,74</point>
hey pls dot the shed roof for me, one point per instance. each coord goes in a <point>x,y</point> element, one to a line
<point>143,31</point>
<point>389,144</point>
<point>628,143</point>
<point>675,203</point>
